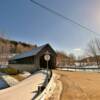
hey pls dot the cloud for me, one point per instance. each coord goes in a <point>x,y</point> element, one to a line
<point>77,49</point>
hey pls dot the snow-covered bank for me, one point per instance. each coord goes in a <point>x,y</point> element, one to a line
<point>88,70</point>
<point>25,74</point>
<point>83,68</point>
<point>25,90</point>
<point>10,80</point>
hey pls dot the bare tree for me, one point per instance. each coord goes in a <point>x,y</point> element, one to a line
<point>94,50</point>
<point>72,56</point>
<point>4,49</point>
<point>61,58</point>
<point>72,59</point>
<point>97,41</point>
<point>79,60</point>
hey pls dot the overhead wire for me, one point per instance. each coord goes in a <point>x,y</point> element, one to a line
<point>64,17</point>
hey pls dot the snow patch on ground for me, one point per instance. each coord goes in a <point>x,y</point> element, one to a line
<point>10,80</point>
<point>25,74</point>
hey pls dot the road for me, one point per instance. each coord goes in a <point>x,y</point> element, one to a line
<point>24,90</point>
<point>79,85</point>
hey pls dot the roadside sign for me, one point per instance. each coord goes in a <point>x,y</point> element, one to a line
<point>47,57</point>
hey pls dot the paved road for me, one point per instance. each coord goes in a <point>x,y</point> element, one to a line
<point>24,90</point>
<point>80,85</point>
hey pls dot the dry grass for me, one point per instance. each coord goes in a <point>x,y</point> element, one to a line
<point>80,85</point>
<point>8,70</point>
<point>18,77</point>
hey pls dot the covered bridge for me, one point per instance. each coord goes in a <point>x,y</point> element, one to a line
<point>34,59</point>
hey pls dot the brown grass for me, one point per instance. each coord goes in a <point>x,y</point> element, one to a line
<point>18,77</point>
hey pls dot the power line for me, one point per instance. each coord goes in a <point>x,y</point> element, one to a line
<point>64,17</point>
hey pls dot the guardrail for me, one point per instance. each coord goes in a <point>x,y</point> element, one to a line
<point>48,88</point>
<point>42,87</point>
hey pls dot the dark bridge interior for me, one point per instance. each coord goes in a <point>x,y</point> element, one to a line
<point>43,63</point>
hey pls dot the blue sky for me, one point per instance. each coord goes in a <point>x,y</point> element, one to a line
<point>24,21</point>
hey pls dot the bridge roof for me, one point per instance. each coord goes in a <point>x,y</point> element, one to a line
<point>33,52</point>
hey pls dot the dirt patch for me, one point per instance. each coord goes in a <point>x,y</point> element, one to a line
<point>80,85</point>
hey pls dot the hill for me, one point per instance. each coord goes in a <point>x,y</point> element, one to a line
<point>14,46</point>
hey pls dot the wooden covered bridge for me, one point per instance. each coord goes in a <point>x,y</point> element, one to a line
<point>34,59</point>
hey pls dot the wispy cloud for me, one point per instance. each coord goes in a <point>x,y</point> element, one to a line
<point>77,49</point>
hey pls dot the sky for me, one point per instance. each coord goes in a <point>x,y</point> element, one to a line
<point>22,20</point>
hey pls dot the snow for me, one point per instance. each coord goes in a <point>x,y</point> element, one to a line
<point>83,68</point>
<point>90,66</point>
<point>25,74</point>
<point>25,90</point>
<point>10,80</point>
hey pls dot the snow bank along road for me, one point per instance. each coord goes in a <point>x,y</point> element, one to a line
<point>52,90</point>
<point>10,80</point>
<point>24,90</point>
<point>79,85</point>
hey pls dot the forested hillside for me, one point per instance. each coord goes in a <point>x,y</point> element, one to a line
<point>14,46</point>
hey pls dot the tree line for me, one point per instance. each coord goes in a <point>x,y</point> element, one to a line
<point>89,58</point>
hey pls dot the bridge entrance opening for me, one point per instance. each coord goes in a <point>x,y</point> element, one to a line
<point>43,63</point>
